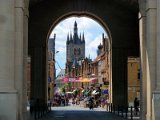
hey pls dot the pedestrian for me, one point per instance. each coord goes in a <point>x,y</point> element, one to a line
<point>136,105</point>
<point>91,103</point>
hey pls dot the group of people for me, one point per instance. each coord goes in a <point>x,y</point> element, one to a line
<point>60,99</point>
<point>91,97</point>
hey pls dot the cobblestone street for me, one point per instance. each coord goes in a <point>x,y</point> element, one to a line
<point>76,112</point>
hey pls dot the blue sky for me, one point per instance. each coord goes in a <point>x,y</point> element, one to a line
<point>92,32</point>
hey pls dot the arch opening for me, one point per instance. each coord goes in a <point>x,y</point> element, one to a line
<point>82,18</point>
<point>123,30</point>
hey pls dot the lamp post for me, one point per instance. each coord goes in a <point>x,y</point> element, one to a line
<point>57,62</point>
<point>57,51</point>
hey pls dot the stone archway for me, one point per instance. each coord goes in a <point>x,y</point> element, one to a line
<point>122,24</point>
<point>14,20</point>
<point>96,19</point>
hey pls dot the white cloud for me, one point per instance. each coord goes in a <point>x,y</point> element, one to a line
<point>91,48</point>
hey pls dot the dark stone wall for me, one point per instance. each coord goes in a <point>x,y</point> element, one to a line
<point>122,22</point>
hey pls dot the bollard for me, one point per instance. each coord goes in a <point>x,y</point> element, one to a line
<point>50,106</point>
<point>40,110</point>
<point>122,110</point>
<point>127,112</point>
<point>118,110</point>
<point>131,114</point>
<point>107,107</point>
<point>46,108</point>
<point>114,109</point>
<point>111,107</point>
<point>35,112</point>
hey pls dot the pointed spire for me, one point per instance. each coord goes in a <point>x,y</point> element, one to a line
<point>71,37</point>
<point>80,36</point>
<point>54,36</point>
<point>68,38</point>
<point>83,39</point>
<point>103,42</point>
<point>75,29</point>
<point>75,24</point>
<point>100,46</point>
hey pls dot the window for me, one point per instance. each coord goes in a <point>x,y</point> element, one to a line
<point>139,75</point>
<point>100,62</point>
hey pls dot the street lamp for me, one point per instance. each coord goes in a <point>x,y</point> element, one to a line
<point>57,51</point>
<point>57,61</point>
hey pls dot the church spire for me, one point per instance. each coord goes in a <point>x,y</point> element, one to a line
<point>80,36</point>
<point>75,28</point>
<point>71,40</point>
<point>68,38</point>
<point>83,39</point>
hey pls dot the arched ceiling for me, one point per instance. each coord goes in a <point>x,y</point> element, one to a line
<point>129,4</point>
<point>121,18</point>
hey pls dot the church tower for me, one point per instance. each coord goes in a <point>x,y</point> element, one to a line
<point>75,45</point>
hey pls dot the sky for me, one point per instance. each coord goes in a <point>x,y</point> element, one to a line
<point>92,32</point>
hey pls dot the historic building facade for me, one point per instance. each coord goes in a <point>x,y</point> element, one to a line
<point>75,50</point>
<point>51,74</point>
<point>75,45</point>
<point>51,66</point>
<point>101,66</point>
<point>133,79</point>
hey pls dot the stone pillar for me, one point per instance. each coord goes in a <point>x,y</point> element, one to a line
<point>21,54</point>
<point>38,74</point>
<point>12,59</point>
<point>119,76</point>
<point>158,47</point>
<point>143,67</point>
<point>8,92</point>
<point>156,92</point>
<point>143,96</point>
<point>150,54</point>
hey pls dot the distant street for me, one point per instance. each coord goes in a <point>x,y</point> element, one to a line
<point>74,112</point>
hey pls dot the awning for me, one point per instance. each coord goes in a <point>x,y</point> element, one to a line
<point>79,79</point>
<point>71,80</point>
<point>93,78</point>
<point>85,80</point>
<point>65,79</point>
<point>74,80</point>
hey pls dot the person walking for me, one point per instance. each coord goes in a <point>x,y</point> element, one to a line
<point>136,105</point>
<point>91,103</point>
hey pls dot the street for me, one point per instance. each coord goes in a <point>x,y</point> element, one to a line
<point>75,112</point>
